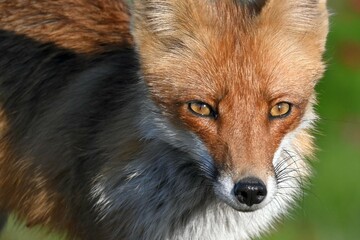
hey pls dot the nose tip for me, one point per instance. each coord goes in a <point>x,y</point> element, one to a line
<point>250,191</point>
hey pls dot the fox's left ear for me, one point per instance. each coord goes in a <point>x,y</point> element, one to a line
<point>155,23</point>
<point>306,19</point>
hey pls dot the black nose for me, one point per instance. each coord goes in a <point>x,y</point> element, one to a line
<point>250,191</point>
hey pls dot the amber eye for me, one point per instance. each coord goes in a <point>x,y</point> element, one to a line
<point>202,109</point>
<point>280,110</point>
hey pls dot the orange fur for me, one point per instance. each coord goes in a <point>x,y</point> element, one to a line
<point>85,26</point>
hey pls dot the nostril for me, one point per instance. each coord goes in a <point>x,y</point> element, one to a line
<point>250,191</point>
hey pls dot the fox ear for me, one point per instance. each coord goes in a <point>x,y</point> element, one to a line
<point>154,22</point>
<point>306,18</point>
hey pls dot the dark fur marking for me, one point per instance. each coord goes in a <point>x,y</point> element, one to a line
<point>254,6</point>
<point>57,102</point>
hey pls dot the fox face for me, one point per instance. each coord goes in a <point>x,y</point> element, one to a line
<point>239,79</point>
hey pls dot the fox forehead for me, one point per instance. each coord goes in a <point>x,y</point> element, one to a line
<point>251,66</point>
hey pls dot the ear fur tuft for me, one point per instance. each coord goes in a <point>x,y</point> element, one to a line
<point>308,19</point>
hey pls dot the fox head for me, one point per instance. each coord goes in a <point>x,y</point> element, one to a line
<point>234,82</point>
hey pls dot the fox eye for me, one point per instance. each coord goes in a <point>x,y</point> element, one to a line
<point>281,109</point>
<point>202,109</point>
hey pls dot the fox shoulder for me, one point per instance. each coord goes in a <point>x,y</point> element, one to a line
<point>83,26</point>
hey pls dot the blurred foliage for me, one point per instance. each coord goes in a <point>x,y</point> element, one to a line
<point>331,208</point>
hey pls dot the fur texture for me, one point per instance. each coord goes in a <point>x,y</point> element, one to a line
<point>96,135</point>
<point>84,26</point>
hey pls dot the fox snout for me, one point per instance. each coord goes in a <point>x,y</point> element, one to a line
<point>248,194</point>
<point>250,191</point>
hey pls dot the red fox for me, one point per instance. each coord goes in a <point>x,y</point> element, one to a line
<point>167,119</point>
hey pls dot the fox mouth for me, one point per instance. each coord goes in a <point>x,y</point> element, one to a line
<point>243,207</point>
<point>233,202</point>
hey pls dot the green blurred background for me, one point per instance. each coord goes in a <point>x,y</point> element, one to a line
<point>331,208</point>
